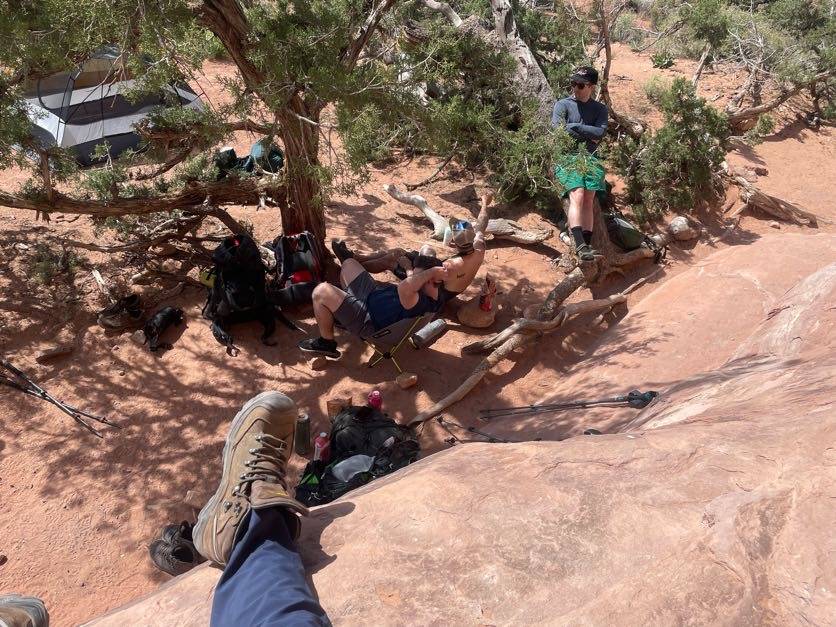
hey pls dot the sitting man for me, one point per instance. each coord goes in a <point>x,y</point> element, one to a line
<point>363,307</point>
<point>467,240</point>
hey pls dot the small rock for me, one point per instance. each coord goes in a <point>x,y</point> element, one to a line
<point>142,278</point>
<point>20,246</point>
<point>761,171</point>
<point>406,380</point>
<point>53,352</point>
<point>171,266</point>
<point>318,363</point>
<point>122,373</point>
<point>774,225</point>
<point>681,229</point>
<point>138,337</point>
<point>3,559</point>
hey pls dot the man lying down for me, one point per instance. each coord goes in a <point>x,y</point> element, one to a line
<point>363,306</point>
<point>467,240</point>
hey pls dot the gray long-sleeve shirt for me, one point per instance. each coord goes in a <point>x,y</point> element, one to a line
<point>585,121</point>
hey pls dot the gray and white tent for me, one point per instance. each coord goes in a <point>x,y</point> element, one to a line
<point>85,108</point>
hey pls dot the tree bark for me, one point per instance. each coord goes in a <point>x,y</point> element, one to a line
<point>529,75</point>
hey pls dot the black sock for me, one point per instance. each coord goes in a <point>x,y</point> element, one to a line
<point>587,237</point>
<point>577,234</point>
<point>329,344</point>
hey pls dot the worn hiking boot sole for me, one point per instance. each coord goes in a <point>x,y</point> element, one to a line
<point>21,611</point>
<point>216,529</point>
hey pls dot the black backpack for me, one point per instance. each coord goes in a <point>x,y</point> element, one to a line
<point>238,291</point>
<point>358,431</point>
<point>300,267</point>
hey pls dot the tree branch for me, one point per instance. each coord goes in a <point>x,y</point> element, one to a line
<point>739,119</point>
<point>352,53</point>
<point>445,9</point>
<point>522,338</point>
<point>194,194</point>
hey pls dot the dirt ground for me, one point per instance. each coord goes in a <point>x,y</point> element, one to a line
<point>79,513</point>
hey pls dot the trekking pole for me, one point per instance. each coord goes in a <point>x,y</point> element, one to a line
<point>635,399</point>
<point>490,437</point>
<point>33,389</point>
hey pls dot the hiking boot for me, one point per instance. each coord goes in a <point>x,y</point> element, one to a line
<point>20,611</point>
<point>585,252</point>
<point>341,250</point>
<point>320,346</point>
<point>125,313</point>
<point>174,559</point>
<point>255,457</point>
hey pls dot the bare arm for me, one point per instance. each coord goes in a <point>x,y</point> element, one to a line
<point>408,288</point>
<point>482,222</point>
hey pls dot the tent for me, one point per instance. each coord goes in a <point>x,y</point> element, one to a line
<point>86,107</point>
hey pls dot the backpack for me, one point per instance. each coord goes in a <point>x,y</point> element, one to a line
<point>237,293</point>
<point>627,236</point>
<point>300,267</point>
<point>358,434</point>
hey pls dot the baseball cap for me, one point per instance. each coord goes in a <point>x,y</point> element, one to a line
<point>459,234</point>
<point>585,74</point>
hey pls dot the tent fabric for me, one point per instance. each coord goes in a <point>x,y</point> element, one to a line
<point>85,108</point>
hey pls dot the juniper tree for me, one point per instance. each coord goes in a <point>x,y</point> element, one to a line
<point>381,75</point>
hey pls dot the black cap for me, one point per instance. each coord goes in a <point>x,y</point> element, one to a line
<point>585,74</point>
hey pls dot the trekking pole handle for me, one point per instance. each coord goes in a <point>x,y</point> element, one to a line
<point>640,400</point>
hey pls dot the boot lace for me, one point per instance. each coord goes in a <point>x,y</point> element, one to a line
<point>266,464</point>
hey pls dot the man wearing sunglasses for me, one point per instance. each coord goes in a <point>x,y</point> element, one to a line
<point>582,174</point>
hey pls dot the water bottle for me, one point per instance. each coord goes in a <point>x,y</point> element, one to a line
<point>322,447</point>
<point>302,436</point>
<point>430,333</point>
<point>376,400</point>
<point>347,468</point>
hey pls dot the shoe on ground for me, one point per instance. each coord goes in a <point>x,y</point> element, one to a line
<point>174,553</point>
<point>174,559</point>
<point>21,611</point>
<point>126,313</point>
<point>340,249</point>
<point>178,534</point>
<point>585,252</point>
<point>255,456</point>
<point>319,346</point>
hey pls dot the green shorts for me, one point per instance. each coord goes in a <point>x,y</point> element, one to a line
<point>585,171</point>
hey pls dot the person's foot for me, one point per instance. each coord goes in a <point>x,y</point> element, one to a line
<point>125,313</point>
<point>320,346</point>
<point>255,457</point>
<point>585,252</point>
<point>21,611</point>
<point>341,250</point>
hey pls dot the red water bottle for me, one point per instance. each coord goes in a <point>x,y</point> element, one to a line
<point>376,400</point>
<point>322,447</point>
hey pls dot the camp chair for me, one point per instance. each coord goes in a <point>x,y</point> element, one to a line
<point>388,340</point>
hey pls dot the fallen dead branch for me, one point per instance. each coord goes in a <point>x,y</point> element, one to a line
<point>755,199</point>
<point>499,228</point>
<point>528,331</point>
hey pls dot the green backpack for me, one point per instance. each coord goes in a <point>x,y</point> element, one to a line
<point>628,237</point>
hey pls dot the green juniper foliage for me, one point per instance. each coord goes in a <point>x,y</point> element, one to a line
<point>672,168</point>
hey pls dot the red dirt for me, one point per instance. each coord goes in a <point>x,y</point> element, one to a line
<point>79,512</point>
